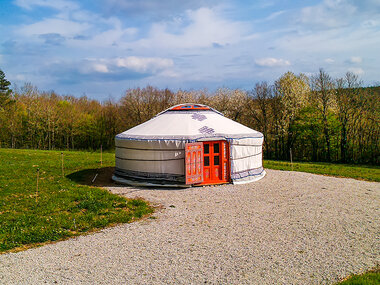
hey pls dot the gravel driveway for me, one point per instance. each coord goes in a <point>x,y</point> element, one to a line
<point>288,228</point>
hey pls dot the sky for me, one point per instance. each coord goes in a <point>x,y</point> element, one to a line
<point>100,48</point>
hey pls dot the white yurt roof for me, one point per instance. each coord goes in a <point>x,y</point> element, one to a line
<point>179,123</point>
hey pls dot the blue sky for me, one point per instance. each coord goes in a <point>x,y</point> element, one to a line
<point>103,47</point>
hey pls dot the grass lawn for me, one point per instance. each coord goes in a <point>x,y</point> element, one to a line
<point>65,206</point>
<point>369,278</point>
<point>62,207</point>
<point>364,172</point>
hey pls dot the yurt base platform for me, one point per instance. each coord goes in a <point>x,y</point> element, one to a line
<point>144,183</point>
<point>141,183</point>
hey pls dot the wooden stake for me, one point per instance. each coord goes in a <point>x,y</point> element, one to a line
<point>291,159</point>
<point>93,180</point>
<point>101,154</point>
<point>38,175</point>
<point>63,172</point>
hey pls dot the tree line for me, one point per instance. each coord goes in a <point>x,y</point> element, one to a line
<point>316,118</point>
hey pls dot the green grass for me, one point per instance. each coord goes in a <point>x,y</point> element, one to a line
<point>369,278</point>
<point>62,207</point>
<point>364,172</point>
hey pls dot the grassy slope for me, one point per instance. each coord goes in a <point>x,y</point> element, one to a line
<point>365,172</point>
<point>62,207</point>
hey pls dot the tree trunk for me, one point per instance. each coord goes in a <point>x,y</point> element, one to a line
<point>343,144</point>
<point>327,138</point>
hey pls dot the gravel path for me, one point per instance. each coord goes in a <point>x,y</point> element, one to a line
<point>288,228</point>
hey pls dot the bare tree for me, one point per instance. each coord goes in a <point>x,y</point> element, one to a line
<point>259,108</point>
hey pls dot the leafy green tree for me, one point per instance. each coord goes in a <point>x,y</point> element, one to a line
<point>293,91</point>
<point>310,139</point>
<point>5,91</point>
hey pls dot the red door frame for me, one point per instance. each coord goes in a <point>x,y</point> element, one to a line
<point>216,166</point>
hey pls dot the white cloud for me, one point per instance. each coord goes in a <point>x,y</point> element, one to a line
<point>96,70</point>
<point>328,14</point>
<point>356,59</point>
<point>330,42</point>
<point>153,8</point>
<point>54,26</point>
<point>271,62</point>
<point>371,23</point>
<point>98,67</point>
<point>20,77</point>
<point>170,74</point>
<point>144,64</point>
<point>356,70</point>
<point>201,47</point>
<point>55,4</point>
<point>206,27</point>
<point>274,15</point>
<point>116,35</point>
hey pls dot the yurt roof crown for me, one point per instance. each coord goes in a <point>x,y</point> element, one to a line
<point>189,107</point>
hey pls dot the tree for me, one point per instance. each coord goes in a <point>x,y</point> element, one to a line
<point>230,102</point>
<point>346,97</point>
<point>322,86</point>
<point>5,91</point>
<point>293,91</point>
<point>258,106</point>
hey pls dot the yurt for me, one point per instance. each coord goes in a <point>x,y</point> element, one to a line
<point>188,145</point>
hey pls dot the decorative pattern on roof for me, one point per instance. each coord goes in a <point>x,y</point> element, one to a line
<point>199,117</point>
<point>206,130</point>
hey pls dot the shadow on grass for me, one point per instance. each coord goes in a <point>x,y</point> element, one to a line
<point>102,177</point>
<point>99,177</point>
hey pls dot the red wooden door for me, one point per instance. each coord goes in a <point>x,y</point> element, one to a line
<point>194,163</point>
<point>215,162</point>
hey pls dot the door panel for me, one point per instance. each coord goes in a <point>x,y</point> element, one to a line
<point>194,163</point>
<point>215,162</point>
